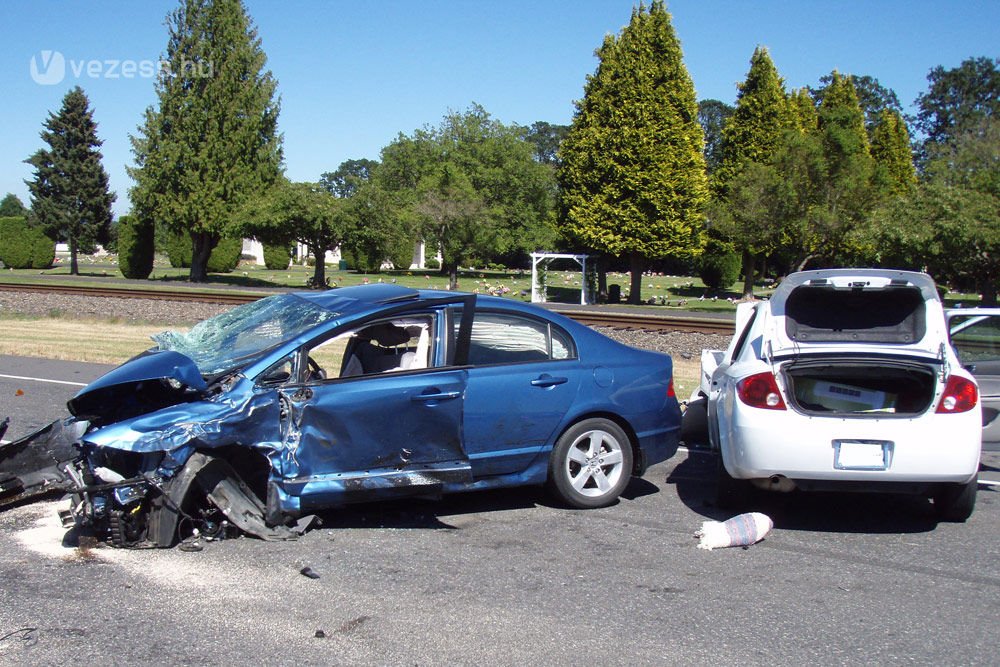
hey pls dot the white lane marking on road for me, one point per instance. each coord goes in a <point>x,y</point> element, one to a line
<point>21,377</point>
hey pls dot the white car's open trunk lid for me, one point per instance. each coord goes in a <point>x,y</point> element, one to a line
<point>874,311</point>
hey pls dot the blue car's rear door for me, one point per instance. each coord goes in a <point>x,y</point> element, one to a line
<point>523,379</point>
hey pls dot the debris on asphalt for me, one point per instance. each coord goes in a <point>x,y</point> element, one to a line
<point>309,572</point>
<point>740,531</point>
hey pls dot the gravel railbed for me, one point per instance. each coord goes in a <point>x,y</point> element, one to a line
<point>686,345</point>
<point>136,311</point>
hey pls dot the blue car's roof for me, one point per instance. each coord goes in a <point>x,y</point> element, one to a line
<point>347,300</point>
<point>360,299</point>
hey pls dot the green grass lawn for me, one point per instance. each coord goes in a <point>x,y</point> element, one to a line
<point>670,292</point>
<point>666,292</point>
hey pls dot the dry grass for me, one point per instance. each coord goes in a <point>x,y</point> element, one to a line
<point>75,340</point>
<point>686,374</point>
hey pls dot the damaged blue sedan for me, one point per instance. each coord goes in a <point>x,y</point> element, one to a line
<point>259,417</point>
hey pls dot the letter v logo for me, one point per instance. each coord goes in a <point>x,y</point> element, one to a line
<point>48,68</point>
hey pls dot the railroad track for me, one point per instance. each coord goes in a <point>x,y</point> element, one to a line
<point>616,320</point>
<point>229,298</point>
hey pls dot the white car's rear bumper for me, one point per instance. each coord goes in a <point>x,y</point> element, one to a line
<point>929,448</point>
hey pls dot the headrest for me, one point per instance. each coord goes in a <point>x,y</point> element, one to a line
<point>386,334</point>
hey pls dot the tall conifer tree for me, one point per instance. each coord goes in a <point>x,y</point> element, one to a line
<point>212,141</point>
<point>750,140</point>
<point>848,195</point>
<point>633,172</point>
<point>69,192</point>
<point>894,170</point>
<point>805,116</point>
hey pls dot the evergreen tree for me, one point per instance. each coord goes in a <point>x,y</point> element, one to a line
<point>894,170</point>
<point>761,117</point>
<point>712,116</point>
<point>750,140</point>
<point>805,116</point>
<point>212,142</point>
<point>12,207</point>
<point>69,191</point>
<point>848,196</point>
<point>873,97</point>
<point>135,247</point>
<point>633,171</point>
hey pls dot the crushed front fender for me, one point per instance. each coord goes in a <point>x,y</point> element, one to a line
<point>34,466</point>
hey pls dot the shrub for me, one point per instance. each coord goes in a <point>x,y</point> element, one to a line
<point>432,264</point>
<point>719,266</point>
<point>23,246</point>
<point>225,256</point>
<point>179,250</point>
<point>401,255</point>
<point>135,247</point>
<point>277,257</point>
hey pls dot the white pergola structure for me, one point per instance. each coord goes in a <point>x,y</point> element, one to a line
<point>543,259</point>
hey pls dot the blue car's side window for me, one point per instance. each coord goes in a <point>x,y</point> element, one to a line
<point>392,345</point>
<point>503,338</point>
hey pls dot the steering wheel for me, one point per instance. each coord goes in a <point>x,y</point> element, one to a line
<point>315,371</point>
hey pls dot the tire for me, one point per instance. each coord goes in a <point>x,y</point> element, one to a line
<point>591,464</point>
<point>730,493</point>
<point>955,502</point>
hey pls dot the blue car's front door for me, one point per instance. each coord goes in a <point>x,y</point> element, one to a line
<point>374,435</point>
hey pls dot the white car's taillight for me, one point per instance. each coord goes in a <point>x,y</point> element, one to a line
<point>960,395</point>
<point>760,391</point>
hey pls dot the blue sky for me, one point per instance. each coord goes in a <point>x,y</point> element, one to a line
<point>352,75</point>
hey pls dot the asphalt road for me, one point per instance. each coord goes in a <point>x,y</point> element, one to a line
<point>499,578</point>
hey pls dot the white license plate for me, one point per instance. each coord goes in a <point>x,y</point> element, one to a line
<point>861,454</point>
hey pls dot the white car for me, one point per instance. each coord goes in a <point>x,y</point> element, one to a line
<point>845,380</point>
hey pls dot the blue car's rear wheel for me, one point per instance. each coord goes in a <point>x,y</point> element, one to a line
<point>591,464</point>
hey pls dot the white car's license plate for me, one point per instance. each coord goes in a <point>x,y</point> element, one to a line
<point>861,454</point>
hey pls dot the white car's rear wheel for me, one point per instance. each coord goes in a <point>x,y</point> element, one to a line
<point>956,502</point>
<point>591,464</point>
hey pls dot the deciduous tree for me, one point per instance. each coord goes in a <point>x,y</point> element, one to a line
<point>487,162</point>
<point>302,212</point>
<point>959,98</point>
<point>348,177</point>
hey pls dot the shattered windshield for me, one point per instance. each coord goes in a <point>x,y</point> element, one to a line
<point>220,343</point>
